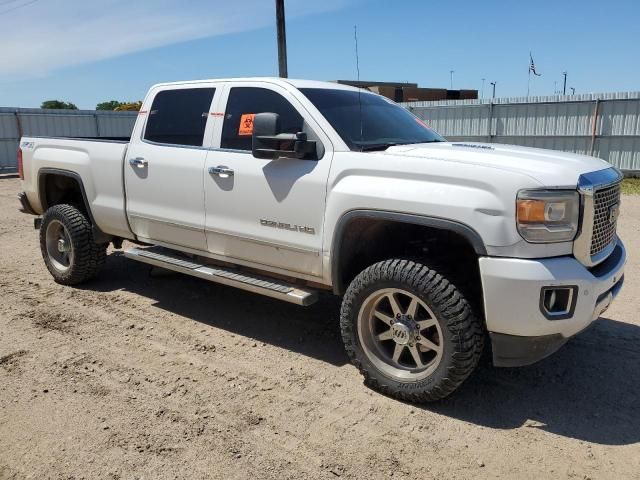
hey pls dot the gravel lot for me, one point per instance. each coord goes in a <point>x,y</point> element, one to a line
<point>134,376</point>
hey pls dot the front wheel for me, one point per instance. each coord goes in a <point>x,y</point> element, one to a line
<point>410,331</point>
<point>67,245</point>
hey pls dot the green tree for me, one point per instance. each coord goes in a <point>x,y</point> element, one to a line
<point>58,104</point>
<point>129,106</point>
<point>110,105</point>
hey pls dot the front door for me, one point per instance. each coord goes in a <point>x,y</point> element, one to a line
<point>265,213</point>
<point>164,168</point>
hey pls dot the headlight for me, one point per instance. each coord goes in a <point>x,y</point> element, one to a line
<point>546,216</point>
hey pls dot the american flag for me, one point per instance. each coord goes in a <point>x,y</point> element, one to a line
<point>532,66</point>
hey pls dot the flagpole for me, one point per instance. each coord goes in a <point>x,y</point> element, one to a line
<point>529,81</point>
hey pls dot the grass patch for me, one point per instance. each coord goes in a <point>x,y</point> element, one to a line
<point>631,186</point>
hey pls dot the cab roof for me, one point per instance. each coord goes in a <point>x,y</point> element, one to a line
<point>297,83</point>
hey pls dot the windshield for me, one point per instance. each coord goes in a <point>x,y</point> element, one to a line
<point>369,122</point>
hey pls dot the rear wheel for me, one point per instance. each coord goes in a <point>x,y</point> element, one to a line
<point>68,249</point>
<point>410,331</point>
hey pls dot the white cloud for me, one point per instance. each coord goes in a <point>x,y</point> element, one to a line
<point>52,34</point>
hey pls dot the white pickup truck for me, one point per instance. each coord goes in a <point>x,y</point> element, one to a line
<point>289,187</point>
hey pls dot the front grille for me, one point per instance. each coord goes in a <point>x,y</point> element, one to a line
<point>604,229</point>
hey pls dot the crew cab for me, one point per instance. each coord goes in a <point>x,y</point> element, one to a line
<point>290,187</point>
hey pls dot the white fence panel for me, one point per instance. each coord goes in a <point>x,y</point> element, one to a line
<point>603,125</point>
<point>16,122</point>
<point>560,123</point>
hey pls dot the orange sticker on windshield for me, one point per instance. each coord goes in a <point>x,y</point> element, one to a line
<point>246,124</point>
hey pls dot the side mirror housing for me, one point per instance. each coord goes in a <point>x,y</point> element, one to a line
<point>268,142</point>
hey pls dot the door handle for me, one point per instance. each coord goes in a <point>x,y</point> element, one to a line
<point>221,171</point>
<point>138,162</point>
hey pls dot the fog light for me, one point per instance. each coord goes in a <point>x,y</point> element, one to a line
<point>557,303</point>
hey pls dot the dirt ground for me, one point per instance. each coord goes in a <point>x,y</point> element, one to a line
<point>134,376</point>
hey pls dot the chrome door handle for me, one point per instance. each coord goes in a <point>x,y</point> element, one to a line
<point>138,162</point>
<point>221,171</point>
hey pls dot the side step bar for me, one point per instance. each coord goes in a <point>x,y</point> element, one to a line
<point>172,260</point>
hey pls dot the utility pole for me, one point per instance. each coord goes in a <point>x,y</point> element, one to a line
<point>451,72</point>
<point>482,91</point>
<point>564,88</point>
<point>282,39</point>
<point>494,89</point>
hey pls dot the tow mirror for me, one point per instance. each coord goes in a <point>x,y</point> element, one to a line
<point>268,142</point>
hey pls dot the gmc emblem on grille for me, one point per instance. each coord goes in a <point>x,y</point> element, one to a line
<point>614,213</point>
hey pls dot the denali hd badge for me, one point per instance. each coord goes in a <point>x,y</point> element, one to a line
<point>287,226</point>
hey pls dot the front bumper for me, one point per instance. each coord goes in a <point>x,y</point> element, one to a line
<point>521,334</point>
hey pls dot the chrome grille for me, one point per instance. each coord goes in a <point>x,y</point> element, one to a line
<point>604,228</point>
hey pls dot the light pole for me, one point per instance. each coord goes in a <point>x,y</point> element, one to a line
<point>482,91</point>
<point>564,88</point>
<point>494,89</point>
<point>282,39</point>
<point>573,90</point>
<point>451,72</point>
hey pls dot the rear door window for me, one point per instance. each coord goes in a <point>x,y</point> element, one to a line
<point>243,103</point>
<point>179,117</point>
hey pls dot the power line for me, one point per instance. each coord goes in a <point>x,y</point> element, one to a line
<point>17,6</point>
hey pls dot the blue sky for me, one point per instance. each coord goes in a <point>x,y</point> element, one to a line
<point>87,51</point>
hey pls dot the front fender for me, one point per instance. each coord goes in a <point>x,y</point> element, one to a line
<point>479,197</point>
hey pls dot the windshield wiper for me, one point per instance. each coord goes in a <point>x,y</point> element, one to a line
<point>377,146</point>
<point>372,147</point>
<point>422,141</point>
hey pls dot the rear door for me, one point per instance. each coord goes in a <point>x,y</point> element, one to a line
<point>164,167</point>
<point>265,212</point>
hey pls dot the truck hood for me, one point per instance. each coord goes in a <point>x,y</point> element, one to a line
<point>549,167</point>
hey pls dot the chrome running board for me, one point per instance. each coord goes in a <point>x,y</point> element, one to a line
<point>176,261</point>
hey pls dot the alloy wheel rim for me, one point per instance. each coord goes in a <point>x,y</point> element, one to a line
<point>59,248</point>
<point>400,334</point>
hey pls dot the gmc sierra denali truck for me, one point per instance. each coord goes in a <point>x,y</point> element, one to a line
<point>289,187</point>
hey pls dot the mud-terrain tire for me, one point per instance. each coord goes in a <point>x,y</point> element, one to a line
<point>68,249</point>
<point>384,311</point>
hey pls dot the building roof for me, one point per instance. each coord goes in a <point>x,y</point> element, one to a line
<point>365,84</point>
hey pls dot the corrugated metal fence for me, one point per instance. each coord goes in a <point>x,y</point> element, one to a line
<point>603,125</point>
<point>16,122</point>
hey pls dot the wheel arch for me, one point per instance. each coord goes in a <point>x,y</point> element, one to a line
<point>342,237</point>
<point>46,175</point>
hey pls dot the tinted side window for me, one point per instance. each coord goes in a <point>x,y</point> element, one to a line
<point>179,117</point>
<point>251,100</point>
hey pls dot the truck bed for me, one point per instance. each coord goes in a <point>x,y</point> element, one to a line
<point>95,162</point>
